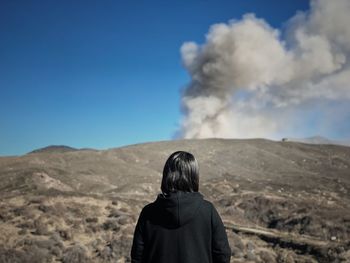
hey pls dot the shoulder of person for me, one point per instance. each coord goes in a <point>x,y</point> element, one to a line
<point>148,209</point>
<point>207,205</point>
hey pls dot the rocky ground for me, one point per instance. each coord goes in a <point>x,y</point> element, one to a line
<point>280,201</point>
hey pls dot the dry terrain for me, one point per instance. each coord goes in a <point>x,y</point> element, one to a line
<point>280,201</point>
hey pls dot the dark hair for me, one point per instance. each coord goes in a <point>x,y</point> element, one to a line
<point>180,173</point>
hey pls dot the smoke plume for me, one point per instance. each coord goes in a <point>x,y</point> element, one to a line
<point>251,80</point>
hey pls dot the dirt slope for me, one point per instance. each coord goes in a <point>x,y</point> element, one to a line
<point>281,201</point>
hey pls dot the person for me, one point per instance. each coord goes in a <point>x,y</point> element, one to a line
<point>180,226</point>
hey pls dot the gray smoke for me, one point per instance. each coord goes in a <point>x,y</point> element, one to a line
<point>251,80</point>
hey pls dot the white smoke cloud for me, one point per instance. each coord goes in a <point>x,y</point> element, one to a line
<point>249,81</point>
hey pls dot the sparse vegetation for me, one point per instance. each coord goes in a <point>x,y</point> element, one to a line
<point>75,254</point>
<point>256,184</point>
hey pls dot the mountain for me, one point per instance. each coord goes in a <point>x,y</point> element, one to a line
<point>318,140</point>
<point>280,201</point>
<point>54,149</point>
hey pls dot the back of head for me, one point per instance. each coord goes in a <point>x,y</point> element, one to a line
<point>180,173</point>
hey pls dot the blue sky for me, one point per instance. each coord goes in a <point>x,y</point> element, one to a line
<point>103,74</point>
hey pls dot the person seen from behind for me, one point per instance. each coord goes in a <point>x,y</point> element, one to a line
<point>180,226</point>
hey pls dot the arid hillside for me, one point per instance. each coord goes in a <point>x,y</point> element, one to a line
<point>280,201</point>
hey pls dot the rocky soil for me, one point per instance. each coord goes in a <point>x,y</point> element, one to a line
<point>280,201</point>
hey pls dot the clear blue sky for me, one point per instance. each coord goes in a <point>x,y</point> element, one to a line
<point>103,74</point>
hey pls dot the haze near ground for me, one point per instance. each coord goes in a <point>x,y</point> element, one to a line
<point>280,201</point>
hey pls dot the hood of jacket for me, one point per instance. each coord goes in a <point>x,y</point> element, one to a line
<point>177,209</point>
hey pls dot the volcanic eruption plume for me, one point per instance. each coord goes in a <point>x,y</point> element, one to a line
<point>251,80</point>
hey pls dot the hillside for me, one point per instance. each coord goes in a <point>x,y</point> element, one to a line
<point>280,201</point>
<point>318,140</point>
<point>54,149</point>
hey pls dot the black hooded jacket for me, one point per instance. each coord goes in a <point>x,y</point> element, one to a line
<point>180,228</point>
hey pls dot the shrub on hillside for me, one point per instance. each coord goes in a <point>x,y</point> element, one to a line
<point>12,256</point>
<point>111,224</point>
<point>40,227</point>
<point>75,254</point>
